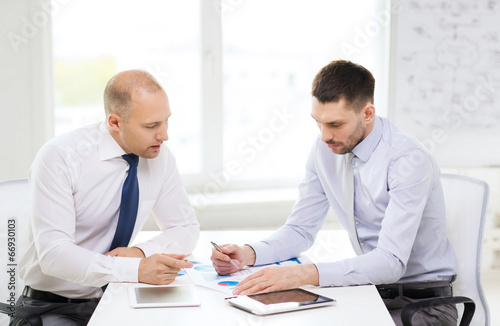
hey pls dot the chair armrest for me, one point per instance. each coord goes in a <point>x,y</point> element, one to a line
<point>32,318</point>
<point>411,308</point>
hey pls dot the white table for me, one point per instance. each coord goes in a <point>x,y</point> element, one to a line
<point>357,305</point>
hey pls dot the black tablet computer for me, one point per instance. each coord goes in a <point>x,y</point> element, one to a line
<point>279,301</point>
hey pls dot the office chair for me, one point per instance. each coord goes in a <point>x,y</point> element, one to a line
<point>14,204</point>
<point>466,201</point>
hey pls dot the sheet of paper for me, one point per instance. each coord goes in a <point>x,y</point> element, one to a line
<point>204,274</point>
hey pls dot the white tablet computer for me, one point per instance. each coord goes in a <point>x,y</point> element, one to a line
<point>163,296</point>
<point>279,301</point>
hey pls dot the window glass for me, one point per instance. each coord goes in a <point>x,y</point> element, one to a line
<point>94,39</point>
<point>272,51</point>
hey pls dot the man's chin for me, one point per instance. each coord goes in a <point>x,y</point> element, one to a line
<point>339,150</point>
<point>150,154</point>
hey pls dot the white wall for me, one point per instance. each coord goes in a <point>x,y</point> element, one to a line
<point>25,78</point>
<point>25,95</point>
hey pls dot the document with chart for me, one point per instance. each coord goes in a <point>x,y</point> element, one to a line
<point>204,274</point>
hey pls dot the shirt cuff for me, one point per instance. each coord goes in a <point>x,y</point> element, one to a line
<point>149,248</point>
<point>127,268</point>
<point>328,275</point>
<point>263,254</point>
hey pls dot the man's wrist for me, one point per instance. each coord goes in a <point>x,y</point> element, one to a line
<point>310,274</point>
<point>249,255</point>
<point>140,251</point>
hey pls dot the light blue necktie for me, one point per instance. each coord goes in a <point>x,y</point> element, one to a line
<point>349,195</point>
<point>128,206</point>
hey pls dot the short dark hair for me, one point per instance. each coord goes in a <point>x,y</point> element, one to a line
<point>341,79</point>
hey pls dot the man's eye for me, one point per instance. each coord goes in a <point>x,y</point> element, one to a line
<point>151,127</point>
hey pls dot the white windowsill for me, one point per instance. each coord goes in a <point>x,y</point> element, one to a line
<point>265,209</point>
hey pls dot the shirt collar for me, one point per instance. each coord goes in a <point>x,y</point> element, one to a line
<point>366,147</point>
<point>108,147</point>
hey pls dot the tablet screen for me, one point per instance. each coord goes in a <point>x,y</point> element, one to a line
<point>292,295</point>
<point>163,296</point>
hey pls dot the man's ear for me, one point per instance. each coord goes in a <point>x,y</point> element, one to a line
<point>114,122</point>
<point>368,112</point>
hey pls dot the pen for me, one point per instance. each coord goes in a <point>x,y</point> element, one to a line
<point>216,246</point>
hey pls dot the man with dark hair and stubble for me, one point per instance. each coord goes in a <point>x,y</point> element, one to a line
<point>92,190</point>
<point>394,212</point>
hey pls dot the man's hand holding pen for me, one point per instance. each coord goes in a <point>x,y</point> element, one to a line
<point>241,256</point>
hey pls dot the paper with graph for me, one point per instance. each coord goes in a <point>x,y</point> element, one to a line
<point>205,275</point>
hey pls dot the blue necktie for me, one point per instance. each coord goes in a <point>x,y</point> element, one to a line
<point>128,206</point>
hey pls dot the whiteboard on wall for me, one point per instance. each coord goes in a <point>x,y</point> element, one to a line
<point>445,78</point>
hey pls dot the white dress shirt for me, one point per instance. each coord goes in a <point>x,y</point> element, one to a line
<point>76,183</point>
<point>398,208</point>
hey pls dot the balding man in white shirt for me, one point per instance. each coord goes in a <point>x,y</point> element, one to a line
<point>76,187</point>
